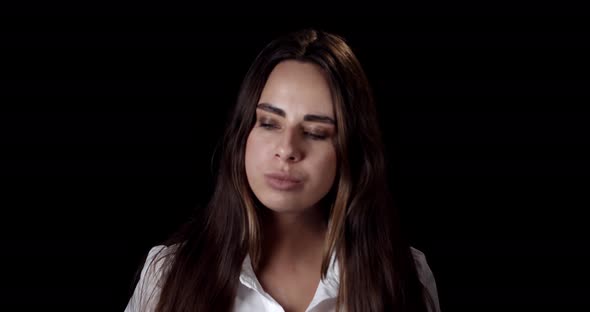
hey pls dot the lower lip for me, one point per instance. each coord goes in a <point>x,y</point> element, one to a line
<point>283,185</point>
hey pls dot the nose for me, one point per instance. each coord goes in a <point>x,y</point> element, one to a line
<point>288,149</point>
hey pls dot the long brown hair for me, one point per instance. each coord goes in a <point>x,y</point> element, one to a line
<point>377,270</point>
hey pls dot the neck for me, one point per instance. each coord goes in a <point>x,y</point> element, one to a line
<point>293,239</point>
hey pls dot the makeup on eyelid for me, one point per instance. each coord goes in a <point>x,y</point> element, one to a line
<point>314,133</point>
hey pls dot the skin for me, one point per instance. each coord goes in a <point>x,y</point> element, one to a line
<point>293,227</point>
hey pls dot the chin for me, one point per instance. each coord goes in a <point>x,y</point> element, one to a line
<point>282,205</point>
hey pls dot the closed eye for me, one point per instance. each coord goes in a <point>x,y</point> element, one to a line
<point>267,125</point>
<point>314,136</point>
<point>311,135</point>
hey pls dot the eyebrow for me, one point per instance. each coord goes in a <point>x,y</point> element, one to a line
<point>314,118</point>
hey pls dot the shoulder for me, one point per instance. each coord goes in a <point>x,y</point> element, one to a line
<point>156,262</point>
<point>147,290</point>
<point>426,279</point>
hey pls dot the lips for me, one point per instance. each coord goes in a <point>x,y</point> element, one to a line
<point>283,181</point>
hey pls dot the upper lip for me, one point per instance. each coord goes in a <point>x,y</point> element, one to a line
<point>283,176</point>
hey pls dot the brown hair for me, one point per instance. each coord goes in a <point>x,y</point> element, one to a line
<point>377,270</point>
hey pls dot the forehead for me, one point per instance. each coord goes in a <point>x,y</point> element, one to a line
<point>298,87</point>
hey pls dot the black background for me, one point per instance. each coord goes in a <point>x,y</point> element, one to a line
<point>111,114</point>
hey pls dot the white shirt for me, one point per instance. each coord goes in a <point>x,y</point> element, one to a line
<point>252,297</point>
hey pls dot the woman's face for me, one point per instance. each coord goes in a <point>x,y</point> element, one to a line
<point>290,153</point>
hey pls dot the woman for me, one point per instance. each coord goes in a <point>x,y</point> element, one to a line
<point>301,217</point>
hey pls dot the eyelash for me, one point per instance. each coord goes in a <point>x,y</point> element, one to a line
<point>269,126</point>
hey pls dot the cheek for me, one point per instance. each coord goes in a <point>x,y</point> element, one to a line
<point>250,148</point>
<point>328,166</point>
<point>333,162</point>
<point>254,150</point>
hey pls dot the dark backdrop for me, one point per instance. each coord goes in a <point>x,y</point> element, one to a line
<point>110,118</point>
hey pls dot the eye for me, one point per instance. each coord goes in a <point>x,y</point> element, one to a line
<point>267,125</point>
<point>314,136</point>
